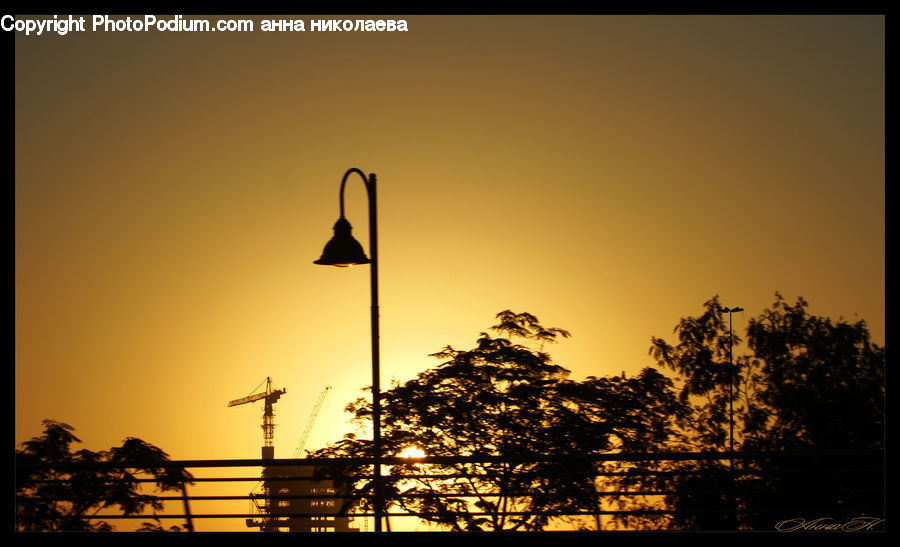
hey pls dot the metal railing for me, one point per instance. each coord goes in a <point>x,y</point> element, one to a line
<point>667,490</point>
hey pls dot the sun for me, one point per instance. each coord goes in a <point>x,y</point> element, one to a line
<point>412,452</point>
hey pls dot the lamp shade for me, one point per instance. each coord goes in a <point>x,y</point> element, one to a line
<point>342,249</point>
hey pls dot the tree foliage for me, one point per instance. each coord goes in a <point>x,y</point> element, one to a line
<point>61,490</point>
<point>704,368</point>
<point>505,398</point>
<point>791,383</point>
<point>820,383</point>
<point>808,383</point>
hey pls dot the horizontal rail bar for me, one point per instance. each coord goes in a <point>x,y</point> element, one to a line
<point>446,476</point>
<point>565,458</point>
<point>618,493</point>
<point>549,513</point>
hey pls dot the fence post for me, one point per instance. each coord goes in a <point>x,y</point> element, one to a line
<point>189,524</point>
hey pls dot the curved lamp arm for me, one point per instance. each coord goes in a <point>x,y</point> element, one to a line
<point>369,182</point>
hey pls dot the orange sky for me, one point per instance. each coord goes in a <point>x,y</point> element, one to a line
<point>606,173</point>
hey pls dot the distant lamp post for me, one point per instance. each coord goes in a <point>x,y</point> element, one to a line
<point>731,375</point>
<point>343,251</point>
<point>729,311</point>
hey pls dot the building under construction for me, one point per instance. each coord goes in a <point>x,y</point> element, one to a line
<point>287,502</point>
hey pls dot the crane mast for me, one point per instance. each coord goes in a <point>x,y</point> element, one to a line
<point>270,397</point>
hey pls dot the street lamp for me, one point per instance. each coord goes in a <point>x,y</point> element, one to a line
<point>729,311</point>
<point>343,250</point>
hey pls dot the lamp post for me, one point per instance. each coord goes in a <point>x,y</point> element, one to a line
<point>731,409</point>
<point>343,250</point>
<point>729,311</point>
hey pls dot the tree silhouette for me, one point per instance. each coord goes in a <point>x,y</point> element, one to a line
<point>66,495</point>
<point>701,360</point>
<point>819,385</point>
<point>510,401</point>
<point>809,384</point>
<point>806,384</point>
<point>642,414</point>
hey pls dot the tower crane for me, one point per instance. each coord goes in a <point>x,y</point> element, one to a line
<point>310,420</point>
<point>270,397</point>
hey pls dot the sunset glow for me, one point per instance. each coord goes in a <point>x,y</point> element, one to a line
<point>412,452</point>
<point>607,174</point>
